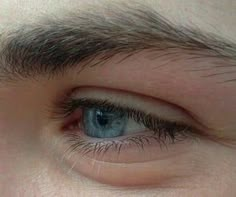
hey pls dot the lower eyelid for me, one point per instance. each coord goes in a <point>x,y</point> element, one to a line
<point>152,165</point>
<point>126,149</point>
<point>168,165</point>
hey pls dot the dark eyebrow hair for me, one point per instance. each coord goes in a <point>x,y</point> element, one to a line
<point>55,44</point>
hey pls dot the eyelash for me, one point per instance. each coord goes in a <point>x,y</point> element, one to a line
<point>163,130</point>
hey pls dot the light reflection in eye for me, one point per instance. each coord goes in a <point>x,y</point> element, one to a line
<point>102,123</point>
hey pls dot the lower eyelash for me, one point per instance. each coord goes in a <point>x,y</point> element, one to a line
<point>79,145</point>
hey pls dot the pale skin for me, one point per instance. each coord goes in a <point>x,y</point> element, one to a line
<point>31,148</point>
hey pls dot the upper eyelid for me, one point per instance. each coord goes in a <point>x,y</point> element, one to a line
<point>134,113</point>
<point>126,100</point>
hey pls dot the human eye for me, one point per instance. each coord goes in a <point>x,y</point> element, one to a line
<point>107,131</point>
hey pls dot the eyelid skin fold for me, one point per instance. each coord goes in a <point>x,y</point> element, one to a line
<point>122,98</point>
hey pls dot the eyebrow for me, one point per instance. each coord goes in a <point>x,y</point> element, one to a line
<point>55,44</point>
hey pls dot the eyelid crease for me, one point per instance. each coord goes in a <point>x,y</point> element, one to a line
<point>111,107</point>
<point>57,111</point>
<point>75,101</point>
<point>125,99</point>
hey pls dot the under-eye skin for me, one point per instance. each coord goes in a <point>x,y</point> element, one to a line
<point>100,125</point>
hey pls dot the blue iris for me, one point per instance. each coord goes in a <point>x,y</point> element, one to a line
<point>101,123</point>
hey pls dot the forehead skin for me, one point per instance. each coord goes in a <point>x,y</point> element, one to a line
<point>214,16</point>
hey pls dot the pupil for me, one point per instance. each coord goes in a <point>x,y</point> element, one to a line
<point>101,123</point>
<point>102,118</point>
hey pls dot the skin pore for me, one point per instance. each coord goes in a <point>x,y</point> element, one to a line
<point>196,86</point>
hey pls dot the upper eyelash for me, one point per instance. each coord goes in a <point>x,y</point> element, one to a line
<point>161,127</point>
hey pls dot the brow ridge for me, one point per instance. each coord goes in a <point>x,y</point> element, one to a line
<point>56,44</point>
